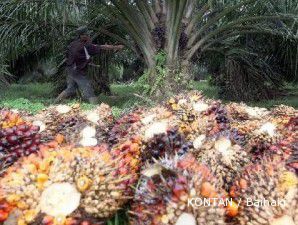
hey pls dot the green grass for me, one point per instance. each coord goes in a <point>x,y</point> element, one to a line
<point>35,97</point>
<point>290,99</point>
<point>29,97</point>
<point>209,91</point>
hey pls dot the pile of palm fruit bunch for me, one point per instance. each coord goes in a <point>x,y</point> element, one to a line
<point>82,128</point>
<point>228,139</point>
<point>18,138</point>
<point>267,132</point>
<point>157,159</point>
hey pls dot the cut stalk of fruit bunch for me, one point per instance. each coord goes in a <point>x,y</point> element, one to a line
<point>69,185</point>
<point>165,188</point>
<point>18,138</point>
<point>268,193</point>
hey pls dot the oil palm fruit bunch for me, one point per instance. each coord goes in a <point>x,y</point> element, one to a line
<point>170,143</point>
<point>246,127</point>
<point>225,158</point>
<point>62,185</point>
<point>284,117</point>
<point>283,110</point>
<point>128,155</point>
<point>242,112</point>
<point>56,118</point>
<point>267,193</point>
<point>237,112</point>
<point>156,121</point>
<point>9,119</point>
<point>88,128</point>
<point>17,139</point>
<point>192,112</point>
<point>124,127</point>
<point>165,188</point>
<point>218,110</point>
<point>262,138</point>
<point>287,147</point>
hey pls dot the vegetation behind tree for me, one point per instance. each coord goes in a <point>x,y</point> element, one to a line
<point>249,47</point>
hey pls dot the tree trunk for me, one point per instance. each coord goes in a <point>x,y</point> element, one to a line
<point>170,79</point>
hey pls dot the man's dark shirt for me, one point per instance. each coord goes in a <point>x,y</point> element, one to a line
<point>76,55</point>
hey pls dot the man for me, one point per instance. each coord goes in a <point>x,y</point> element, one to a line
<point>78,57</point>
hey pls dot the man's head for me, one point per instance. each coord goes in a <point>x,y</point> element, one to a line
<point>83,33</point>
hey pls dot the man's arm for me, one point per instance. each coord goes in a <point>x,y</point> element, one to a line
<point>96,49</point>
<point>111,47</point>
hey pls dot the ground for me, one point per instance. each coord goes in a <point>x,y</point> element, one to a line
<point>35,96</point>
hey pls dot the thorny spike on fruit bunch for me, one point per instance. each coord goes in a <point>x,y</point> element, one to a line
<point>17,138</point>
<point>267,194</point>
<point>67,185</point>
<point>224,158</point>
<point>164,189</point>
<point>84,129</point>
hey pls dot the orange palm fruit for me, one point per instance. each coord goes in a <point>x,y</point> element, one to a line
<point>206,189</point>
<point>59,138</point>
<point>243,184</point>
<point>232,209</point>
<point>3,215</point>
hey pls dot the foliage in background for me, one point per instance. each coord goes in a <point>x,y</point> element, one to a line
<point>252,67</point>
<point>203,32</point>
<point>186,30</point>
<point>31,30</point>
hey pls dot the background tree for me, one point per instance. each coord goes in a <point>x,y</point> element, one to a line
<point>253,67</point>
<point>185,30</point>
